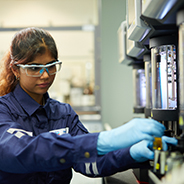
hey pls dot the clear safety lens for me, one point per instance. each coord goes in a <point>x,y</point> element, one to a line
<point>37,70</point>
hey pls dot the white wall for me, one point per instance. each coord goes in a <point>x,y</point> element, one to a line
<point>18,13</point>
<point>116,79</point>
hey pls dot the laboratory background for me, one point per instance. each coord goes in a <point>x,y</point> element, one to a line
<point>121,59</point>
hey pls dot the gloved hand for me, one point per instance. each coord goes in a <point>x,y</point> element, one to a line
<point>168,140</point>
<point>142,151</point>
<point>128,134</point>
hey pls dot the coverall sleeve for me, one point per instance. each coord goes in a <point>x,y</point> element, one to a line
<point>109,164</point>
<point>22,153</point>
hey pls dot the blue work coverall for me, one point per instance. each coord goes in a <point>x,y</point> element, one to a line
<point>41,144</point>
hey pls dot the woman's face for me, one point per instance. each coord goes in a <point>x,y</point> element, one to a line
<point>37,86</point>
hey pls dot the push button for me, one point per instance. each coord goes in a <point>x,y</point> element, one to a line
<point>62,160</point>
<point>87,154</point>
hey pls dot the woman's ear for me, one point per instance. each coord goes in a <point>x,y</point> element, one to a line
<point>15,71</point>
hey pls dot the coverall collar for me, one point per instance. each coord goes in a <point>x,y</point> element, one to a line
<point>28,103</point>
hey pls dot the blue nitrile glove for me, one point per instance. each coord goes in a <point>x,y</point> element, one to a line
<point>142,151</point>
<point>168,140</point>
<point>128,134</point>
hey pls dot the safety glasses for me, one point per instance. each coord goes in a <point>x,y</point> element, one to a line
<point>37,70</point>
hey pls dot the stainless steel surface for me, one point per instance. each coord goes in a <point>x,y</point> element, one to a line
<point>164,87</point>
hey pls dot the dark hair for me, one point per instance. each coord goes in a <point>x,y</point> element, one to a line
<point>25,46</point>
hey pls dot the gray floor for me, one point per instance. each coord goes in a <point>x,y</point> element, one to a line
<point>126,177</point>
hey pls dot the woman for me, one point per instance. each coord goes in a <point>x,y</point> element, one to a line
<point>42,139</point>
